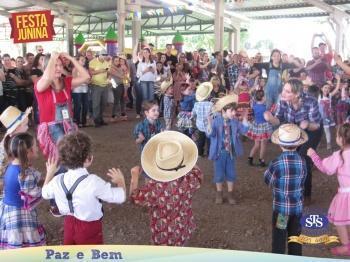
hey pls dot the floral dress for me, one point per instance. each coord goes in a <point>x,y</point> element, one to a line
<point>170,208</point>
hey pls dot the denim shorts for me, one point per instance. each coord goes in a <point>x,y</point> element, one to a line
<point>224,168</point>
<point>56,132</point>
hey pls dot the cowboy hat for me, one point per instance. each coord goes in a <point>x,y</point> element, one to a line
<point>169,155</point>
<point>165,85</point>
<point>307,82</point>
<point>12,117</point>
<point>203,91</point>
<point>122,56</point>
<point>289,135</point>
<point>224,101</point>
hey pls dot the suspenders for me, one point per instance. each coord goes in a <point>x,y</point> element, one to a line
<point>69,193</point>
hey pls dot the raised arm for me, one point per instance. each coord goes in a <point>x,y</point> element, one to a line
<point>82,74</point>
<point>45,81</point>
<point>313,41</point>
<point>337,87</point>
<point>340,63</point>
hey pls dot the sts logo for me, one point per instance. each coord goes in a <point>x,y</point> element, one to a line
<point>314,221</point>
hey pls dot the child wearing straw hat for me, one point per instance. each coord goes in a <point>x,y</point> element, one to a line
<point>224,132</point>
<point>166,88</point>
<point>15,122</point>
<point>201,111</point>
<point>174,178</point>
<point>286,175</point>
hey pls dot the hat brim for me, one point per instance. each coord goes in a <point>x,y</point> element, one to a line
<point>19,121</point>
<point>148,155</point>
<point>224,101</point>
<point>201,98</point>
<point>303,139</point>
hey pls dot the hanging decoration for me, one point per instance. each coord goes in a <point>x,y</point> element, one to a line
<point>178,42</point>
<point>111,42</point>
<point>78,42</point>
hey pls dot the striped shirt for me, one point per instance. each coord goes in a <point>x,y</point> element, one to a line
<point>286,175</point>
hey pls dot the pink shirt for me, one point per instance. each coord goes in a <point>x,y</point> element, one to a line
<point>335,164</point>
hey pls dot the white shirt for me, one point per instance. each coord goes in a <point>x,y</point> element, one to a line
<point>85,197</point>
<point>149,76</point>
<point>83,88</point>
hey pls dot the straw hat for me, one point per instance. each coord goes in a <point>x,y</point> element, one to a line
<point>224,101</point>
<point>169,155</point>
<point>165,85</point>
<point>122,56</point>
<point>203,91</point>
<point>289,135</point>
<point>12,117</point>
<point>307,82</point>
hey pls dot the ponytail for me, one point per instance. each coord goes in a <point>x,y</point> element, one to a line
<point>22,155</point>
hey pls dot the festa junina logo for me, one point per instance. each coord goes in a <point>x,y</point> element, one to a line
<point>315,228</point>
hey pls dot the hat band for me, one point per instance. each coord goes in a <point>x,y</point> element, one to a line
<point>290,142</point>
<point>173,169</point>
<point>15,121</point>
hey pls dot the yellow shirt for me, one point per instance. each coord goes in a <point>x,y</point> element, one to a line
<point>101,78</point>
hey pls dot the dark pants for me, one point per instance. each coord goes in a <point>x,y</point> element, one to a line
<point>138,95</point>
<point>130,104</point>
<point>280,236</point>
<point>202,140</point>
<point>314,140</point>
<point>81,104</point>
<point>21,99</point>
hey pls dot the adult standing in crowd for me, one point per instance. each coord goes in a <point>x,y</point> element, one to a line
<point>299,108</point>
<point>146,72</point>
<point>171,60</point>
<point>53,94</point>
<point>317,67</point>
<point>39,49</point>
<point>98,69</point>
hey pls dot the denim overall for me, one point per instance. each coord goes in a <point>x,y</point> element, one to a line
<point>62,113</point>
<point>273,87</point>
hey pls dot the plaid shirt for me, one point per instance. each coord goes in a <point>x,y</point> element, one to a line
<point>309,111</point>
<point>286,175</point>
<point>232,72</point>
<point>145,127</point>
<point>201,111</point>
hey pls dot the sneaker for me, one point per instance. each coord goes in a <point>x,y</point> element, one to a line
<point>55,212</point>
<point>262,163</point>
<point>103,123</point>
<point>219,199</point>
<point>250,161</point>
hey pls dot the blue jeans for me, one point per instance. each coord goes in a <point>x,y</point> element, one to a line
<point>56,131</point>
<point>147,88</point>
<point>224,168</point>
<point>81,104</point>
<point>138,96</point>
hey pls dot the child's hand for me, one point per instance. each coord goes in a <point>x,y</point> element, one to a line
<point>338,77</point>
<point>268,116</point>
<point>116,176</point>
<point>141,137</point>
<point>51,167</point>
<point>310,152</point>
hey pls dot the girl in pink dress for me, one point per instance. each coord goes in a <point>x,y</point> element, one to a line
<point>339,210</point>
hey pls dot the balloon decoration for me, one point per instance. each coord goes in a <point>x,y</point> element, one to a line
<point>78,42</point>
<point>178,42</point>
<point>111,42</point>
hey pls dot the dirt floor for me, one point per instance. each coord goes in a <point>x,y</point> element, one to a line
<point>245,226</point>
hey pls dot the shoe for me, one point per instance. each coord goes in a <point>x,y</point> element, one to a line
<point>103,123</point>
<point>219,199</point>
<point>250,161</point>
<point>55,212</point>
<point>231,199</point>
<point>138,116</point>
<point>341,250</point>
<point>262,162</point>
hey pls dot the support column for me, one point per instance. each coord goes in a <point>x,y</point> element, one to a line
<point>219,25</point>
<point>156,42</point>
<point>69,34</point>
<point>121,25</point>
<point>24,49</point>
<point>237,39</point>
<point>230,40</point>
<point>136,31</point>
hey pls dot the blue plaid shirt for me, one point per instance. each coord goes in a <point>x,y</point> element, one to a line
<point>232,72</point>
<point>201,111</point>
<point>286,175</point>
<point>309,111</point>
<point>145,127</point>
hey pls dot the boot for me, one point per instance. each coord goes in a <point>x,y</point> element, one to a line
<point>219,199</point>
<point>250,161</point>
<point>231,199</point>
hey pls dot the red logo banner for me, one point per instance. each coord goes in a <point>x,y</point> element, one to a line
<point>35,26</point>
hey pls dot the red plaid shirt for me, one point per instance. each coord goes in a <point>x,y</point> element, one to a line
<point>170,206</point>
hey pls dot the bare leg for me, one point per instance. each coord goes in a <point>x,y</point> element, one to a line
<point>229,186</point>
<point>263,144</point>
<point>255,148</point>
<point>344,239</point>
